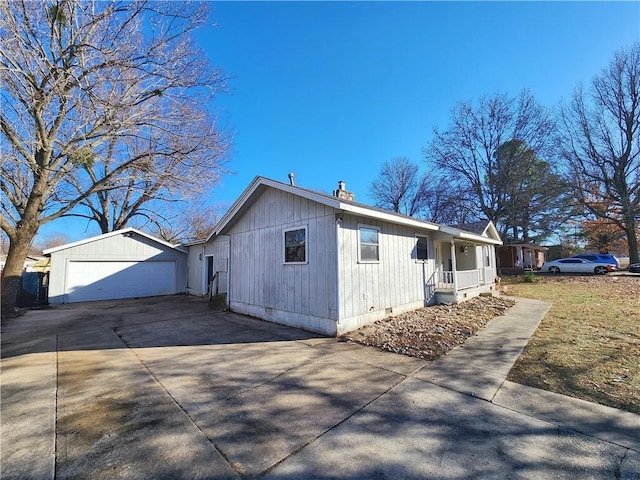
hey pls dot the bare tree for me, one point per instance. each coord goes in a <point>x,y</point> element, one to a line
<point>466,153</point>
<point>77,79</point>
<point>535,199</point>
<point>399,187</point>
<point>191,224</point>
<point>180,162</point>
<point>601,141</point>
<point>446,203</point>
<point>52,241</point>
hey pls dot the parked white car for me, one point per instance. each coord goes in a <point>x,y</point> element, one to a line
<point>577,265</point>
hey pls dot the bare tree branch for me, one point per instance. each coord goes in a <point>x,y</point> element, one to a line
<point>86,85</point>
<point>486,176</point>
<point>600,139</point>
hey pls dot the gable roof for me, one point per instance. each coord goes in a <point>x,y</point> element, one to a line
<point>484,228</point>
<point>478,227</point>
<point>260,183</point>
<point>123,231</point>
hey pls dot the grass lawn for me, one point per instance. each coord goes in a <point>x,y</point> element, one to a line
<point>588,345</point>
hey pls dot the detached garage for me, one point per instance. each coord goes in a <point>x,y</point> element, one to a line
<point>122,264</point>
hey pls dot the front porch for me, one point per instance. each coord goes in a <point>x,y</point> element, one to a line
<point>465,270</point>
<point>455,287</point>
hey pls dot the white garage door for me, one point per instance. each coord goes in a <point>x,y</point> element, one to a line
<point>88,281</point>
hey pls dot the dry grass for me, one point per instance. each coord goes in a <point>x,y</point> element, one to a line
<point>588,345</point>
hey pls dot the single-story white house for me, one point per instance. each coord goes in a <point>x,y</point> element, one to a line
<point>328,264</point>
<point>122,264</point>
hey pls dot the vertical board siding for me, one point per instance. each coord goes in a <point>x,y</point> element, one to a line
<point>396,280</point>
<point>123,248</point>
<point>259,276</point>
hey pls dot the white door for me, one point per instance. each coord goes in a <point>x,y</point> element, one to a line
<point>88,281</point>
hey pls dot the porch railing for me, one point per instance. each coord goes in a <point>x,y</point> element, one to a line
<point>464,278</point>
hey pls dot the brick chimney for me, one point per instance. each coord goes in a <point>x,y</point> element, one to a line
<point>342,193</point>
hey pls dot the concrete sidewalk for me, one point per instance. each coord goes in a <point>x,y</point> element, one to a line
<point>480,367</point>
<point>166,388</point>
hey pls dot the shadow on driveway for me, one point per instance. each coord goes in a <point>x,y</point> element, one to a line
<point>168,388</point>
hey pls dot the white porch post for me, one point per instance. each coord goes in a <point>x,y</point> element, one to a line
<point>485,256</point>
<point>454,268</point>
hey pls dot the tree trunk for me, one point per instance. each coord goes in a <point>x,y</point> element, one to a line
<point>12,275</point>
<point>634,255</point>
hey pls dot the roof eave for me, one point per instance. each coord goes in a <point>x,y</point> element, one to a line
<point>95,238</point>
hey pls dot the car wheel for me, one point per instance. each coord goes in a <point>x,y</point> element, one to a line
<point>600,270</point>
<point>554,269</point>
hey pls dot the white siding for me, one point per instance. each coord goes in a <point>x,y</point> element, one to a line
<point>302,295</point>
<point>115,248</point>
<point>218,246</point>
<point>332,291</point>
<point>397,283</point>
<point>466,257</point>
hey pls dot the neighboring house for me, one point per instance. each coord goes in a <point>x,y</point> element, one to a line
<point>328,264</point>
<point>29,262</point>
<point>34,281</point>
<point>518,257</point>
<point>122,264</point>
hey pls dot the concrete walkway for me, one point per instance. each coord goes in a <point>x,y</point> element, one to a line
<point>166,388</point>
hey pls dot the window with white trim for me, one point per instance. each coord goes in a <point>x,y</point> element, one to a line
<point>422,251</point>
<point>295,245</point>
<point>369,246</point>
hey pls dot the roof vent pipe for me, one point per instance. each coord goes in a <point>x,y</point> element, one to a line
<point>291,179</point>
<point>341,185</point>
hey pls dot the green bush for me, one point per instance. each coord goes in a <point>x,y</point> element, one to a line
<point>529,277</point>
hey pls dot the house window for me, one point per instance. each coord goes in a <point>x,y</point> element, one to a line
<point>487,256</point>
<point>421,248</point>
<point>369,246</point>
<point>295,245</point>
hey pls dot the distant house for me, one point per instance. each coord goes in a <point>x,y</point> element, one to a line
<point>518,257</point>
<point>328,264</point>
<point>122,264</point>
<point>29,262</point>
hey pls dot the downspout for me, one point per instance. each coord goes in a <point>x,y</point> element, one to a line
<point>229,273</point>
<point>454,267</point>
<point>337,293</point>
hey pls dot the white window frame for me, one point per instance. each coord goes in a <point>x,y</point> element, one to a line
<point>306,245</point>
<point>421,260</point>
<point>368,227</point>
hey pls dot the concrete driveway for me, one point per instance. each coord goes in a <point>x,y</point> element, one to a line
<point>169,388</point>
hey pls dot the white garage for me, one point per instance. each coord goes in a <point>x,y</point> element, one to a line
<point>123,264</point>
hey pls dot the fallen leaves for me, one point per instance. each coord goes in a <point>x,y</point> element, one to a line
<point>432,331</point>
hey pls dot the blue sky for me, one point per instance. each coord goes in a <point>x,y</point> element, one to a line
<point>330,90</point>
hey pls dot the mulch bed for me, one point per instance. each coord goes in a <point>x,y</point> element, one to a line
<point>431,332</point>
